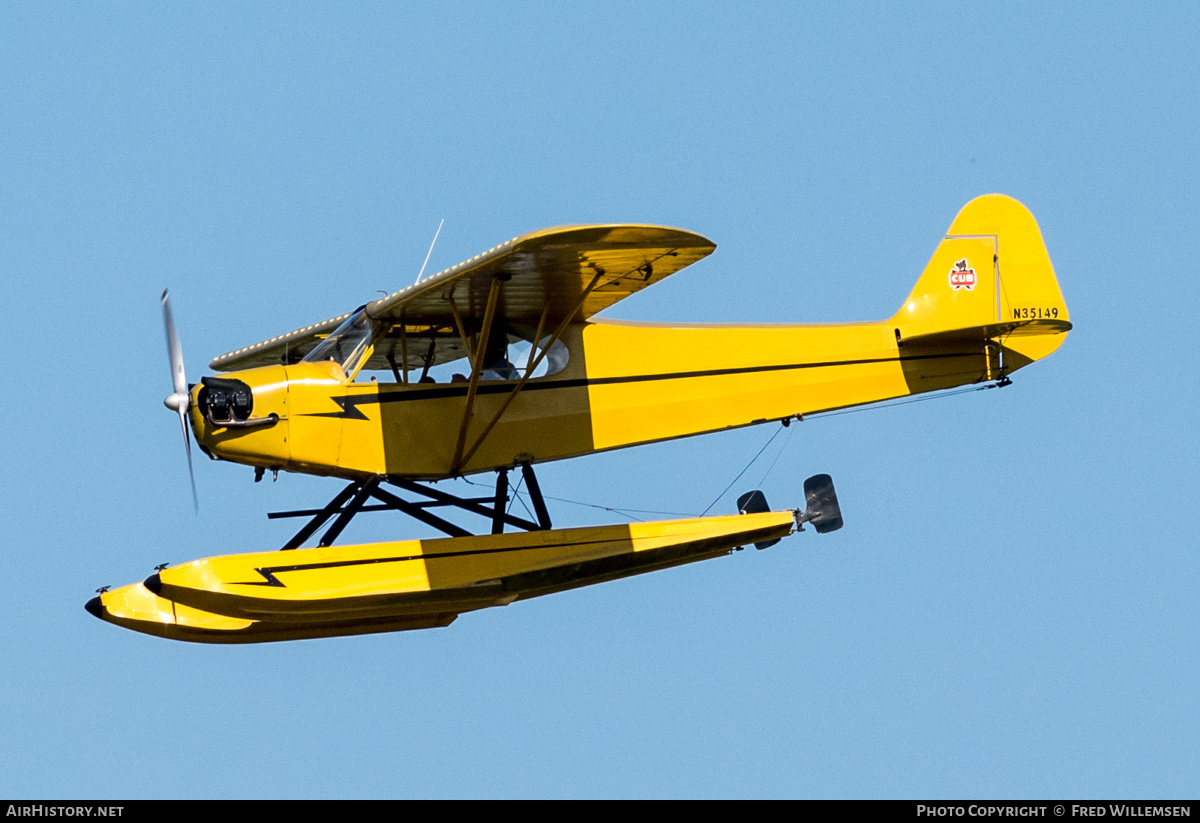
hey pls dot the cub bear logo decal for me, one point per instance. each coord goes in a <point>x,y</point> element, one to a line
<point>962,276</point>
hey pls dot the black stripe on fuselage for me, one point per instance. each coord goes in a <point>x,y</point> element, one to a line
<point>350,402</point>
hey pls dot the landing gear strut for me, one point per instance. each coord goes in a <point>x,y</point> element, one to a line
<point>354,499</point>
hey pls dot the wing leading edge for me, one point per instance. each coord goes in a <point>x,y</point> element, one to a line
<point>566,272</point>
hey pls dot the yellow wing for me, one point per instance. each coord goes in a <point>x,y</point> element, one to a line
<point>568,271</point>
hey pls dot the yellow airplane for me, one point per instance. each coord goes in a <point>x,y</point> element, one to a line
<point>499,363</point>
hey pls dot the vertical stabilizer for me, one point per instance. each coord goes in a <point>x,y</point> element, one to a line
<point>989,279</point>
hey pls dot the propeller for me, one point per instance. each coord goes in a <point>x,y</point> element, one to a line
<point>178,400</point>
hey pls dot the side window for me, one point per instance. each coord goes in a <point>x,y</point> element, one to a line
<point>437,355</point>
<point>554,361</point>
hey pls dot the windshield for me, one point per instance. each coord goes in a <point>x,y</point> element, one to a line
<point>345,346</point>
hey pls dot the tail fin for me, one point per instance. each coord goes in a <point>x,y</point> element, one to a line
<point>990,279</point>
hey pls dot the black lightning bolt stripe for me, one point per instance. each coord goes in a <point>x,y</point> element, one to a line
<point>349,403</point>
<point>269,572</point>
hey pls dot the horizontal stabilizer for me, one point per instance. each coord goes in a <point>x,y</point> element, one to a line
<point>974,335</point>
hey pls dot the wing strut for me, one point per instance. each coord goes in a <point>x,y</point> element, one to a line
<point>459,459</point>
<point>537,335</point>
<point>402,379</point>
<point>477,357</point>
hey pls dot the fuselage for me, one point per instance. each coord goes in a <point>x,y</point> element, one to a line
<point>623,384</point>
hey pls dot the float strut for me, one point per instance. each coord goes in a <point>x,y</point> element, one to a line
<point>501,501</point>
<point>360,497</point>
<point>319,520</point>
<point>535,494</point>
<point>417,512</point>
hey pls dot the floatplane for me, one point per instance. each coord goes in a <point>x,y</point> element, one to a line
<point>499,364</point>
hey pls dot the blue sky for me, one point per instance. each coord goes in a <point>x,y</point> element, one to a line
<point>1011,609</point>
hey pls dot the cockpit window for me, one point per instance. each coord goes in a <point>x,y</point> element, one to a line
<point>346,344</point>
<point>438,354</point>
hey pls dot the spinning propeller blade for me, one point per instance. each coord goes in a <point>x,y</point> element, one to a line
<point>178,401</point>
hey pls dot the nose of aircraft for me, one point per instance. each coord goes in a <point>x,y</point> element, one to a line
<point>95,607</point>
<point>242,417</point>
